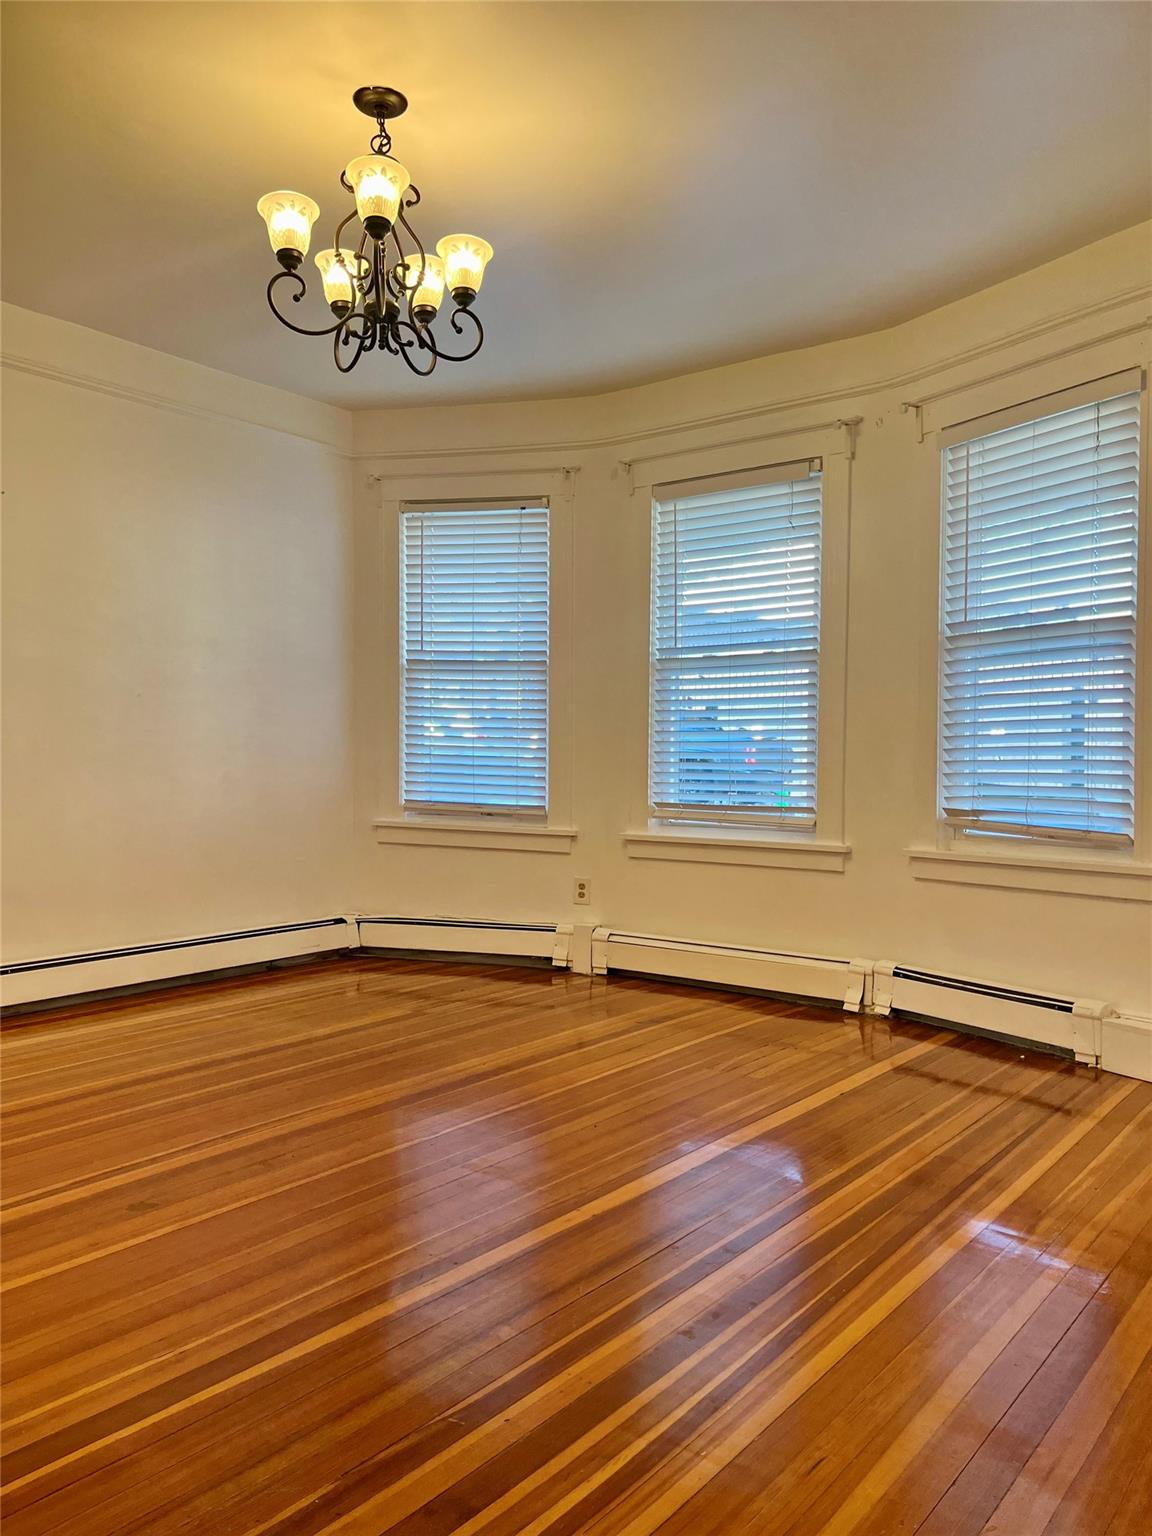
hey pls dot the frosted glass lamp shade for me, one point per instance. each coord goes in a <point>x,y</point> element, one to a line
<point>428,284</point>
<point>289,217</point>
<point>379,183</point>
<point>465,258</point>
<point>336,273</point>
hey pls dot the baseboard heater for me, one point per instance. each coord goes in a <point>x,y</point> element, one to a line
<point>819,978</point>
<point>59,977</point>
<point>1091,1031</point>
<point>1073,1026</point>
<point>463,936</point>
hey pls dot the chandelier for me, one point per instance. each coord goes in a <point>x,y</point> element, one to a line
<point>385,290</point>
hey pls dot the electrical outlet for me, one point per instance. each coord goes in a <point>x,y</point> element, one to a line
<point>581,892</point>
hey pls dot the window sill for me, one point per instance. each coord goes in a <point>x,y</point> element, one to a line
<point>1119,880</point>
<point>514,837</point>
<point>735,848</point>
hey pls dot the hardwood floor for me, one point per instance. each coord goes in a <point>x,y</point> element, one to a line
<point>370,1247</point>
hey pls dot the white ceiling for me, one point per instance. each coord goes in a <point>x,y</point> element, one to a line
<point>667,186</point>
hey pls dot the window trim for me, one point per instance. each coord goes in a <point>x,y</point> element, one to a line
<point>822,846</point>
<point>1005,869</point>
<point>551,831</point>
<point>1123,382</point>
<point>969,835</point>
<point>1026,863</point>
<point>450,832</point>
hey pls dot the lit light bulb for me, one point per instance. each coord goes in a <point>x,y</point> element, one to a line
<point>336,273</point>
<point>427,279</point>
<point>465,258</point>
<point>289,217</point>
<point>379,183</point>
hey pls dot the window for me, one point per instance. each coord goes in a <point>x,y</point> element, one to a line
<point>474,640</point>
<point>1039,625</point>
<point>736,648</point>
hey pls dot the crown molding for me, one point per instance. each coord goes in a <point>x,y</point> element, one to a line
<point>158,401</point>
<point>710,421</point>
<point>874,386</point>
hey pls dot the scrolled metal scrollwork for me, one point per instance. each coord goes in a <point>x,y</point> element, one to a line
<point>344,337</point>
<point>462,357</point>
<point>419,343</point>
<point>296,297</point>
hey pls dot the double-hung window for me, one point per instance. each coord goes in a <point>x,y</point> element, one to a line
<point>1038,645</point>
<point>735,648</point>
<point>474,659</point>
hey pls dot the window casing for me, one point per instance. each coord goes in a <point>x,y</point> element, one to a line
<point>735,649</point>
<point>474,627</point>
<point>1038,625</point>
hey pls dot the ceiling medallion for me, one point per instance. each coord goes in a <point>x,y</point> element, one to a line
<point>386,292</point>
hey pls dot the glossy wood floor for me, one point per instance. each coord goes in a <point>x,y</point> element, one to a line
<point>375,1247</point>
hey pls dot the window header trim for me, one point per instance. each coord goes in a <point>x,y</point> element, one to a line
<point>480,504</point>
<point>737,480</point>
<point>1035,409</point>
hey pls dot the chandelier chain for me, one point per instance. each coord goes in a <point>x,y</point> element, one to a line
<point>381,141</point>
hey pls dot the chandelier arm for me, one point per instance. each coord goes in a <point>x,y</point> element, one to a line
<point>296,297</point>
<point>395,287</point>
<point>343,337</point>
<point>404,292</point>
<point>363,332</point>
<point>460,357</point>
<point>420,337</point>
<point>340,228</point>
<point>418,343</point>
<point>362,283</point>
<point>380,301</point>
<point>383,275</point>
<point>423,260</point>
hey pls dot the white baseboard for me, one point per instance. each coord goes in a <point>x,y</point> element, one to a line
<point>1126,1045</point>
<point>63,976</point>
<point>824,979</point>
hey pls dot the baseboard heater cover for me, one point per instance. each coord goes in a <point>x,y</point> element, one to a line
<point>1091,1031</point>
<point>1127,1045</point>
<point>63,976</point>
<point>822,978</point>
<point>1075,1025</point>
<point>467,936</point>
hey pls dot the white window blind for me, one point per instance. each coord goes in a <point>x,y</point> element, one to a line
<point>1039,625</point>
<point>735,650</point>
<point>474,635</point>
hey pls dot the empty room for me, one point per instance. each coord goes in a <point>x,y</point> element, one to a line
<point>577,768</point>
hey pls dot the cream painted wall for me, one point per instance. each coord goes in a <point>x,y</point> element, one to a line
<point>200,638</point>
<point>176,647</point>
<point>1075,319</point>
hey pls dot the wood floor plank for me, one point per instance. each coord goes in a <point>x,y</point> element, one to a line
<point>378,1246</point>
